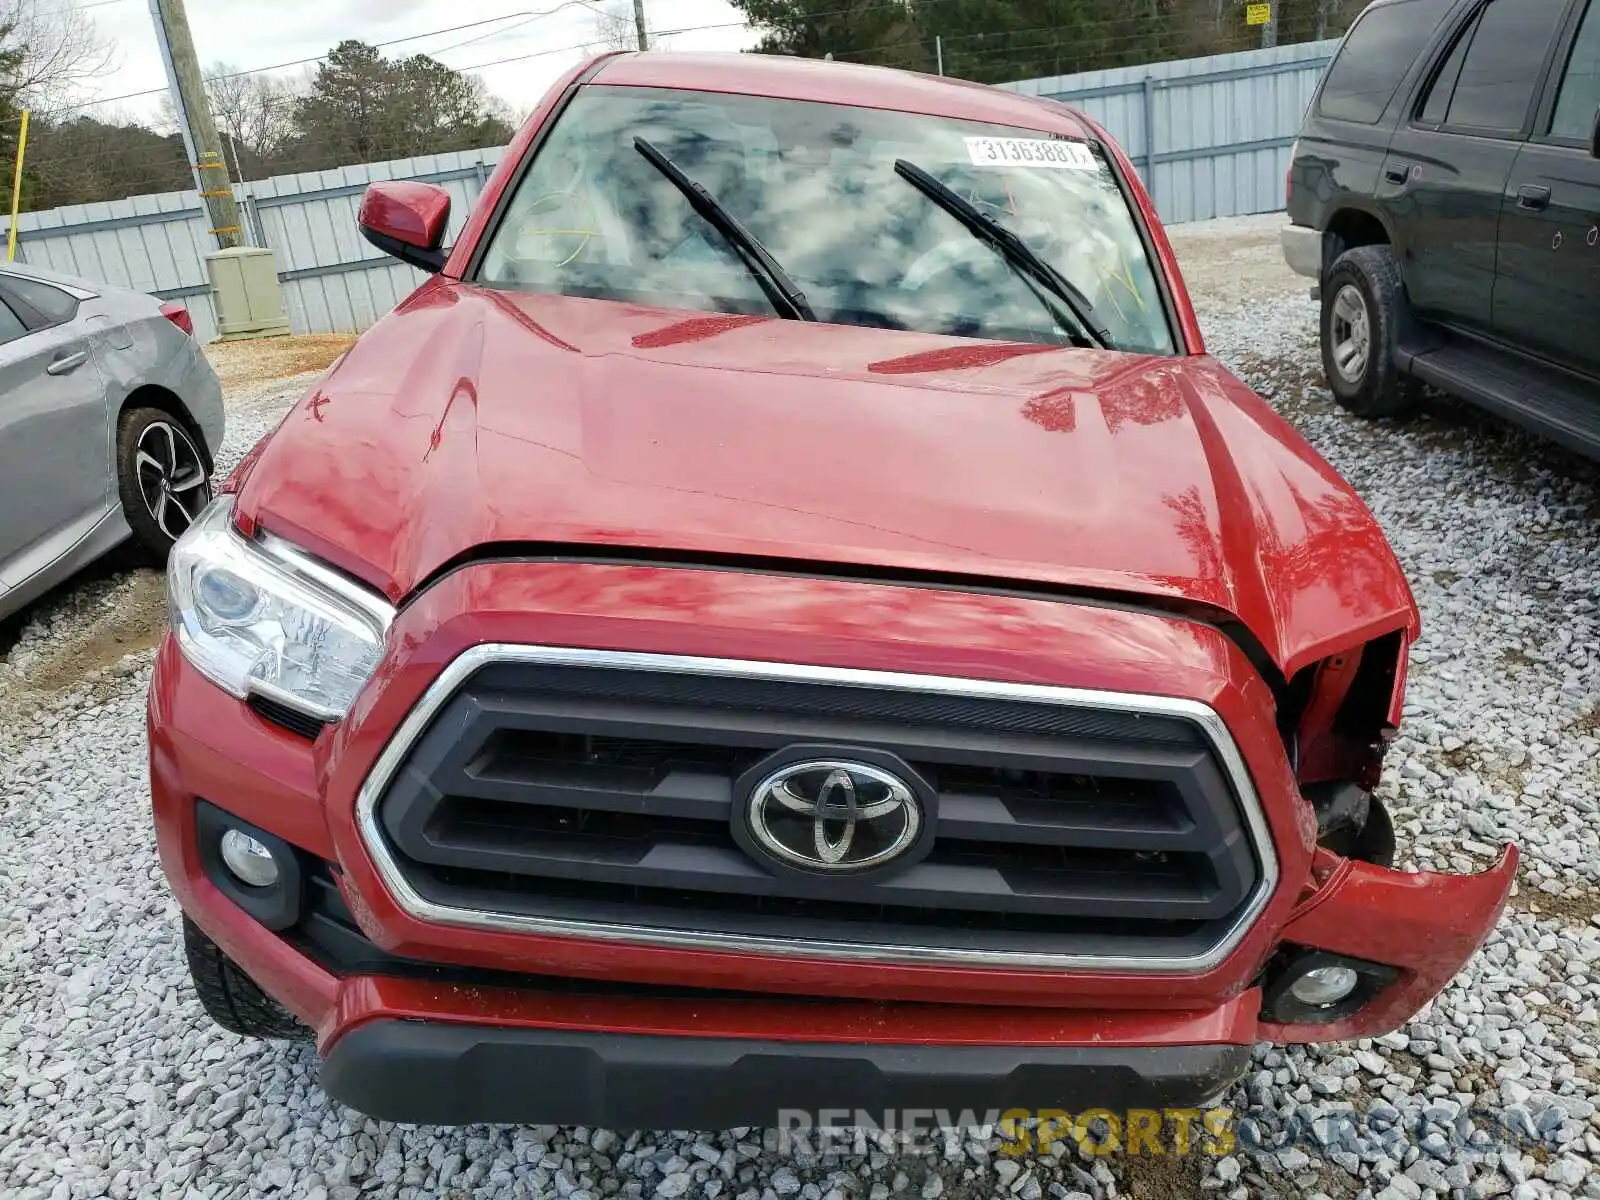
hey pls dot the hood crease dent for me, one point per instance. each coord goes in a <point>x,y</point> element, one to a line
<point>472,417</point>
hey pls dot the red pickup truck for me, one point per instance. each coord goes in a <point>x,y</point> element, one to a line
<point>788,616</point>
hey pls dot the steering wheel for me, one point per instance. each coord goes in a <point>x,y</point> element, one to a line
<point>946,256</point>
<point>929,271</point>
<point>582,230</point>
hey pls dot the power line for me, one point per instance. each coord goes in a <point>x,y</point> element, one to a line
<point>586,45</point>
<point>438,50</point>
<point>722,25</point>
<point>998,36</point>
<point>523,57</point>
<point>413,37</point>
<point>527,20</point>
<point>301,62</point>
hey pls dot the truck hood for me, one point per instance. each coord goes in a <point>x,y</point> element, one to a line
<point>472,418</point>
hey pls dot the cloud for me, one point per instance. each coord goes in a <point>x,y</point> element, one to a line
<point>250,34</point>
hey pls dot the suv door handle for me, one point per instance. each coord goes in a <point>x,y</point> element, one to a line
<point>61,364</point>
<point>1397,172</point>
<point>1532,197</point>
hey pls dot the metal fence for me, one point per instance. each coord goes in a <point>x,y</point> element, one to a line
<point>1210,136</point>
<point>333,281</point>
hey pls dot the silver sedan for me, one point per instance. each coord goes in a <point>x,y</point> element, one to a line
<point>109,417</point>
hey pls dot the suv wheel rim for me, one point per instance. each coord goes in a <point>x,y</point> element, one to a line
<point>1351,334</point>
<point>172,477</point>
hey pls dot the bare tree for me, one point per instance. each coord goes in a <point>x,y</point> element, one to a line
<point>614,28</point>
<point>54,47</point>
<point>496,108</point>
<point>254,114</point>
<point>254,110</point>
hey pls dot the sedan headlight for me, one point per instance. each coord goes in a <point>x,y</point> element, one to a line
<point>258,616</point>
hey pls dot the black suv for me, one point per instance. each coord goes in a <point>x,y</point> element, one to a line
<point>1445,193</point>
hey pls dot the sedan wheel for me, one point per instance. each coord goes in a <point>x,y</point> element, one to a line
<point>162,477</point>
<point>172,478</point>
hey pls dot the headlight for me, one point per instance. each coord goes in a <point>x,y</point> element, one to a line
<point>261,617</point>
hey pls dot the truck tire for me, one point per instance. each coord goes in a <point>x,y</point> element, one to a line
<point>1363,303</point>
<point>230,997</point>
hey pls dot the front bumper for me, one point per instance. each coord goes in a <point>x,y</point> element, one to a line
<point>1302,249</point>
<point>439,1074</point>
<point>876,1032</point>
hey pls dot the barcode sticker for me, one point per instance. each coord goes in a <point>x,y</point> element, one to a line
<point>1029,152</point>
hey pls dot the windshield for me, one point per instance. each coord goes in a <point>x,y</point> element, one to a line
<point>816,185</point>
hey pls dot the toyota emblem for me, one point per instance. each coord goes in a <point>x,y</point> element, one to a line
<point>834,816</point>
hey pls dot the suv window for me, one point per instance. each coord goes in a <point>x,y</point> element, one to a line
<point>1443,86</point>
<point>1502,64</point>
<point>1376,54</point>
<point>1579,96</point>
<point>52,305</point>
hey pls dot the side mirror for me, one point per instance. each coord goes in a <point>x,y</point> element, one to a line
<point>408,220</point>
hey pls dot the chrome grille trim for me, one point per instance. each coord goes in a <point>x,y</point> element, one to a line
<point>474,659</point>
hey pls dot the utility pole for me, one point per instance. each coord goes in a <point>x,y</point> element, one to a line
<point>200,138</point>
<point>1322,18</point>
<point>1269,31</point>
<point>638,21</point>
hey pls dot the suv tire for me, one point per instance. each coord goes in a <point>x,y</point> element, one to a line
<point>1363,302</point>
<point>230,997</point>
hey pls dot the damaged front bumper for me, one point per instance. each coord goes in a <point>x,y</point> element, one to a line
<point>1425,924</point>
<point>476,1012</point>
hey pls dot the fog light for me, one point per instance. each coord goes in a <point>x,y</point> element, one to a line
<point>1314,987</point>
<point>248,859</point>
<point>1322,986</point>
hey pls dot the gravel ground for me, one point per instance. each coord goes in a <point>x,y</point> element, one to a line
<point>112,1082</point>
<point>82,631</point>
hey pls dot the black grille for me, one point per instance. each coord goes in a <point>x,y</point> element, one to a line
<point>291,719</point>
<point>592,794</point>
<point>327,932</point>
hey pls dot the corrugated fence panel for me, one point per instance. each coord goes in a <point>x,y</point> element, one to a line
<point>333,280</point>
<point>1210,136</point>
<point>149,243</point>
<point>1123,113</point>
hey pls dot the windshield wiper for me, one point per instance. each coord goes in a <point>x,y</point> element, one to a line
<point>782,291</point>
<point>1009,246</point>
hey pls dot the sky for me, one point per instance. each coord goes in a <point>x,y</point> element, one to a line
<point>259,33</point>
